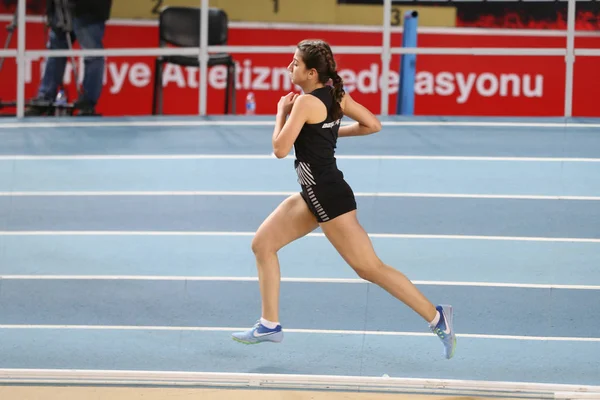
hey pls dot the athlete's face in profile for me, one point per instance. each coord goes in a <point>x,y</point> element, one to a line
<point>298,72</point>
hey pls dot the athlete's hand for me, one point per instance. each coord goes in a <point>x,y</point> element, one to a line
<point>286,103</point>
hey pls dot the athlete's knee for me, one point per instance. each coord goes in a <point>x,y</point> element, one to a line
<point>369,270</point>
<point>257,245</point>
<point>262,247</point>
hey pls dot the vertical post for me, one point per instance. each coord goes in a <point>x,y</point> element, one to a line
<point>408,66</point>
<point>203,57</point>
<point>21,11</point>
<point>570,59</point>
<point>386,55</point>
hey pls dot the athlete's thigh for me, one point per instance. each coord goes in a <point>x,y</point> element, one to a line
<point>350,240</point>
<point>291,220</point>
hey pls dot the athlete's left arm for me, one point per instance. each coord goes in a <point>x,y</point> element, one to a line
<point>366,122</point>
<point>286,132</point>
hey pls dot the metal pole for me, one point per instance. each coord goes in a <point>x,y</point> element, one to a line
<point>408,63</point>
<point>386,56</point>
<point>570,60</point>
<point>21,10</point>
<point>203,57</point>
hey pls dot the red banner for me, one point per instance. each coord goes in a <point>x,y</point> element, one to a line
<point>445,84</point>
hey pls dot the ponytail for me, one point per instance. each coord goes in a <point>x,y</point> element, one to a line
<point>338,93</point>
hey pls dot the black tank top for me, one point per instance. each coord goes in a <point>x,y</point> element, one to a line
<point>315,146</point>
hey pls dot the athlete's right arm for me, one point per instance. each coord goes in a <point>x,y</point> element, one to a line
<point>366,122</point>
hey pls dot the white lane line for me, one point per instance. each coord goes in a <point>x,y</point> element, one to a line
<point>302,331</point>
<point>284,193</point>
<point>80,157</point>
<point>289,279</point>
<point>233,233</point>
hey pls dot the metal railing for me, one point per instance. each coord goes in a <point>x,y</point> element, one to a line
<point>386,51</point>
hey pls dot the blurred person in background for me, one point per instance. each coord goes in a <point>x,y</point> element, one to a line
<point>88,23</point>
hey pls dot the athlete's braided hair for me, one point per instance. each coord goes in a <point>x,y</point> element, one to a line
<point>317,54</point>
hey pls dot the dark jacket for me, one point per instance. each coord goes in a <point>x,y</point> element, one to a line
<point>93,10</point>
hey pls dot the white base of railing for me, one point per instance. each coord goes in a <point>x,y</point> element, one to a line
<point>283,381</point>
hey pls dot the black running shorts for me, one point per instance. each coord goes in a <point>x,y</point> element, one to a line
<point>329,200</point>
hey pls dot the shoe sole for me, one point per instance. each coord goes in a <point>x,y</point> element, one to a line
<point>453,347</point>
<point>257,342</point>
<point>243,341</point>
<point>450,320</point>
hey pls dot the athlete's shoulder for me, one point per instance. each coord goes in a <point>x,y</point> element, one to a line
<point>306,104</point>
<point>308,100</point>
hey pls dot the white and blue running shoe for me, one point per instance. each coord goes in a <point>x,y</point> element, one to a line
<point>258,334</point>
<point>445,331</point>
